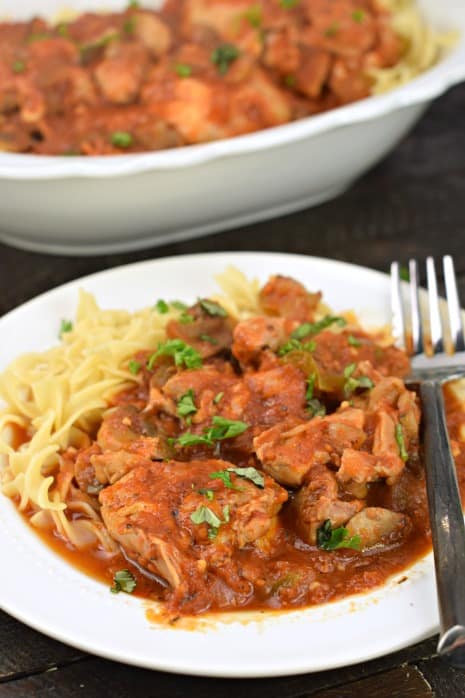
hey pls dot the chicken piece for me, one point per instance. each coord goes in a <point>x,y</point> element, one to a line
<point>334,351</point>
<point>206,384</point>
<point>252,336</point>
<point>209,331</point>
<point>152,32</point>
<point>363,467</point>
<point>119,76</point>
<point>284,296</point>
<point>125,440</point>
<point>281,51</point>
<point>164,521</point>
<point>340,26</point>
<point>290,449</point>
<point>276,395</point>
<point>223,16</point>
<point>349,81</point>
<point>317,501</point>
<point>313,71</point>
<point>257,103</point>
<point>377,526</point>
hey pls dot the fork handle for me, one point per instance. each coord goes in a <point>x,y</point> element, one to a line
<point>447,526</point>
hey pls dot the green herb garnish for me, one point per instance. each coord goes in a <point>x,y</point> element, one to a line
<point>254,16</point>
<point>204,514</point>
<point>288,4</point>
<point>225,477</point>
<point>217,398</point>
<point>178,305</point>
<point>134,367</point>
<point>329,538</point>
<point>212,308</point>
<point>353,341</point>
<point>121,139</point>
<point>18,67</point>
<point>222,429</point>
<point>296,345</point>
<point>310,328</point>
<point>65,326</point>
<point>316,408</point>
<point>123,581</point>
<point>358,16</point>
<point>186,318</point>
<point>162,307</point>
<point>207,338</point>
<point>186,404</point>
<point>251,474</point>
<point>332,30</point>
<point>352,383</point>
<point>223,56</point>
<point>183,70</point>
<point>399,433</point>
<point>209,494</point>
<point>182,353</point>
<point>129,25</point>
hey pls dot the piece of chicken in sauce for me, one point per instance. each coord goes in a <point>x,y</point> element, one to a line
<point>186,522</point>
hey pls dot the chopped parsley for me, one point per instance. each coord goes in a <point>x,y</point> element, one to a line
<point>212,308</point>
<point>186,405</point>
<point>178,305</point>
<point>18,67</point>
<point>401,442</point>
<point>134,367</point>
<point>290,80</point>
<point>182,353</point>
<point>222,429</point>
<point>65,326</point>
<point>183,70</point>
<point>332,30</point>
<point>129,25</point>
<point>296,345</point>
<point>358,16</point>
<point>288,4</point>
<point>218,397</point>
<point>251,474</point>
<point>254,16</point>
<point>310,328</point>
<point>123,581</point>
<point>63,29</point>
<point>133,4</point>
<point>186,318</point>
<point>313,406</point>
<point>353,341</point>
<point>121,139</point>
<point>209,494</point>
<point>352,383</point>
<point>329,538</point>
<point>225,477</point>
<point>204,514</point>
<point>162,307</point>
<point>223,56</point>
<point>207,338</point>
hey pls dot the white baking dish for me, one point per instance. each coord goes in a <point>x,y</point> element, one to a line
<point>109,204</point>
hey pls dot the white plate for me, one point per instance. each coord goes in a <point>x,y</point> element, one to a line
<point>42,590</point>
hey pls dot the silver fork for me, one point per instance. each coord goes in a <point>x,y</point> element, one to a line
<point>431,372</point>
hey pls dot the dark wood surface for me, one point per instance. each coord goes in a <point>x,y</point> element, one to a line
<point>412,204</point>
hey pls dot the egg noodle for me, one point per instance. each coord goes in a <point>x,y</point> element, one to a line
<point>57,398</point>
<point>423,46</point>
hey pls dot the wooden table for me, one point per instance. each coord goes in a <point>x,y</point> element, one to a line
<point>413,204</point>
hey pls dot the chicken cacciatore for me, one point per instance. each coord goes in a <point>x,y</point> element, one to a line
<point>270,462</point>
<point>196,71</point>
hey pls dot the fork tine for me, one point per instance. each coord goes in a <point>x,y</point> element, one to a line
<point>397,307</point>
<point>417,333</point>
<point>433,302</point>
<point>453,304</point>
